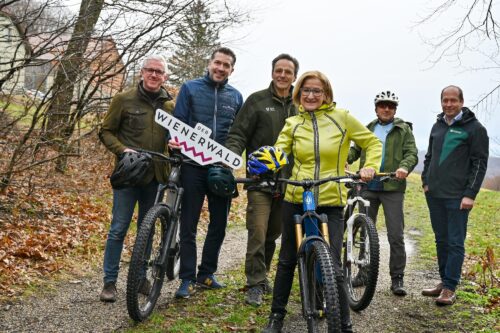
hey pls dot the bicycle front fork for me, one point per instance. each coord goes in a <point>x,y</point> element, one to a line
<point>311,227</point>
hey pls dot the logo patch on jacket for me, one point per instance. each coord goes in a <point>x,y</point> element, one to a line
<point>270,109</point>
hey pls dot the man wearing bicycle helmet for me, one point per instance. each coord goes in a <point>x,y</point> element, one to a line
<point>258,124</point>
<point>130,124</point>
<point>399,155</point>
<point>454,168</point>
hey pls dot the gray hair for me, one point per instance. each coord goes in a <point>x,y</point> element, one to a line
<point>157,57</point>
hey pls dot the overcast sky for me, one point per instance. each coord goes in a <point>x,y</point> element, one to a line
<point>363,47</point>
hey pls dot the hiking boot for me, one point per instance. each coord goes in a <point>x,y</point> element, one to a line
<point>446,297</point>
<point>268,288</point>
<point>186,289</point>
<point>145,288</point>
<point>397,286</point>
<point>254,296</point>
<point>275,323</point>
<point>436,291</point>
<point>209,282</point>
<point>108,293</point>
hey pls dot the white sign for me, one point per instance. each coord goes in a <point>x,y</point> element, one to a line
<point>196,143</point>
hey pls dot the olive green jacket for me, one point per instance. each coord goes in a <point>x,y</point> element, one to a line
<point>400,152</point>
<point>259,122</point>
<point>130,123</point>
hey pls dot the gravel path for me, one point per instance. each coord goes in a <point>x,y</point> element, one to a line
<point>386,313</point>
<point>73,306</point>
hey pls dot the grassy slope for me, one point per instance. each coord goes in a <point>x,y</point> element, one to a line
<point>225,311</point>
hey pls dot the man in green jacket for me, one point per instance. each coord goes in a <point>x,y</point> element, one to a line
<point>258,124</point>
<point>130,124</point>
<point>399,155</point>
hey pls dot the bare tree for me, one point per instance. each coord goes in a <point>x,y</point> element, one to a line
<point>476,30</point>
<point>91,65</point>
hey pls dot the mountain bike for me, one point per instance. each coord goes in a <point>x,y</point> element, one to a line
<point>156,249</point>
<point>361,246</point>
<point>318,287</point>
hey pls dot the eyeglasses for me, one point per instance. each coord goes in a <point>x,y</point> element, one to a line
<point>315,91</point>
<point>390,106</point>
<point>152,70</point>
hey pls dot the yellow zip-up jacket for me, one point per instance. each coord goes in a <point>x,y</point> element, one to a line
<point>319,142</point>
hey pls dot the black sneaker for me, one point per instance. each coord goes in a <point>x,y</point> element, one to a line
<point>108,293</point>
<point>397,286</point>
<point>275,323</point>
<point>254,296</point>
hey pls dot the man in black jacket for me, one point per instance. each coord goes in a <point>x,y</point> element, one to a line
<point>454,168</point>
<point>258,124</point>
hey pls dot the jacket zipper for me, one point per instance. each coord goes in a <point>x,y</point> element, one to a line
<point>316,155</point>
<point>214,128</point>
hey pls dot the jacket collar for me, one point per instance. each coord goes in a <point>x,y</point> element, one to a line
<point>318,112</point>
<point>164,95</point>
<point>211,82</point>
<point>273,92</point>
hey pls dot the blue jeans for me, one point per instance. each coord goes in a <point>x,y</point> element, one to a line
<point>124,201</point>
<point>194,182</point>
<point>449,223</point>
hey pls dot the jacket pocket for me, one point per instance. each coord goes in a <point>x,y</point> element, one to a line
<point>137,119</point>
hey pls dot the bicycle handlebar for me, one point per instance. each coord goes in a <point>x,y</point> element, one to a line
<point>176,159</point>
<point>308,183</point>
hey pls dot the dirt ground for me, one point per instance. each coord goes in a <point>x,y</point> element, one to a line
<point>73,306</point>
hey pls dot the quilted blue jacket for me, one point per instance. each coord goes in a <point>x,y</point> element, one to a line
<point>213,104</point>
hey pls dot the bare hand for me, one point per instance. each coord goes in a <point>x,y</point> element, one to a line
<point>367,174</point>
<point>401,173</point>
<point>426,188</point>
<point>129,150</point>
<point>467,203</point>
<point>172,144</point>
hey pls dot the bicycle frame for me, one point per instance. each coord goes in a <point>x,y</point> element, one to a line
<point>307,223</point>
<point>351,203</point>
<point>172,202</point>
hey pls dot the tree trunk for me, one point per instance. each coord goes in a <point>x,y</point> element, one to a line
<point>59,123</point>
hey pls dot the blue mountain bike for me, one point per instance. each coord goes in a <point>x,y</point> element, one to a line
<point>318,287</point>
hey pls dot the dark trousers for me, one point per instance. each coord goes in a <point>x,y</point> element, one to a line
<point>394,221</point>
<point>449,223</point>
<point>124,201</point>
<point>288,257</point>
<point>194,182</point>
<point>264,227</point>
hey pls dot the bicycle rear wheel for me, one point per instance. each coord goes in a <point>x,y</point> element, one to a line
<point>361,275</point>
<point>322,294</point>
<point>145,264</point>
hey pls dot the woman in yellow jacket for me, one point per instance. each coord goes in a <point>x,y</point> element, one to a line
<point>319,138</point>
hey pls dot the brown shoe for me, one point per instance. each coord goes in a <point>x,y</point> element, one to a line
<point>436,291</point>
<point>108,293</point>
<point>447,297</point>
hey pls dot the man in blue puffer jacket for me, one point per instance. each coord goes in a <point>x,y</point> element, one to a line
<point>211,101</point>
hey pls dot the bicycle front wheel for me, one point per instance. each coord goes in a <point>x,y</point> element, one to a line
<point>362,274</point>
<point>322,294</point>
<point>174,252</point>
<point>146,271</point>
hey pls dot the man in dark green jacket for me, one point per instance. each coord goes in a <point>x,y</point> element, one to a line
<point>399,155</point>
<point>130,124</point>
<point>258,124</point>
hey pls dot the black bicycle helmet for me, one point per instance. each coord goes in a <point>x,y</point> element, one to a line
<point>221,181</point>
<point>132,170</point>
